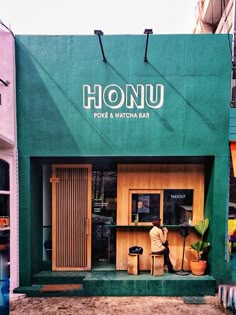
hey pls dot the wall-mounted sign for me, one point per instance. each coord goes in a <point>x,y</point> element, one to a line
<point>133,99</point>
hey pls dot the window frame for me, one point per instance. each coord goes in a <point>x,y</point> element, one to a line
<point>144,192</point>
<point>5,220</point>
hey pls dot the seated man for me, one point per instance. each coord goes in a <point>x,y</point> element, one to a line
<point>159,244</point>
<point>142,208</point>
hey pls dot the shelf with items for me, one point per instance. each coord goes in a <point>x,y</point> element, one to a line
<point>4,210</point>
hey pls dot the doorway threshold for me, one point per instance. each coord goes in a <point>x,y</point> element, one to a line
<point>103,266</point>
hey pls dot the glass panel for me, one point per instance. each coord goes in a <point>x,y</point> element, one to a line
<point>103,214</point>
<point>4,255</point>
<point>4,210</point>
<point>4,175</point>
<point>232,215</point>
<point>178,206</point>
<point>47,213</point>
<point>47,242</point>
<point>4,269</point>
<point>145,207</point>
<point>232,194</point>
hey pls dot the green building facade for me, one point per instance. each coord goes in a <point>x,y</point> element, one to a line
<point>75,108</point>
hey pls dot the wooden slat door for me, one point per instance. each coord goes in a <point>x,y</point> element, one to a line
<point>71,217</point>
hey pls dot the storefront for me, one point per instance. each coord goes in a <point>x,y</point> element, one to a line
<point>9,259</point>
<point>106,145</point>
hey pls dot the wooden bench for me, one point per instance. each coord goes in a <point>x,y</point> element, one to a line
<point>133,264</point>
<point>157,265</point>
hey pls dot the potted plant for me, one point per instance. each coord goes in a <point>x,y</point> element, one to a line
<point>201,247</point>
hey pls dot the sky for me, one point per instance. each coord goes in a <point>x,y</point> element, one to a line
<point>112,17</point>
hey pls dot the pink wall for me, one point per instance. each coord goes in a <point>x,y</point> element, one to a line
<point>7,93</point>
<point>8,143</point>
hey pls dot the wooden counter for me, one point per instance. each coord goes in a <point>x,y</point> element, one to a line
<point>128,236</point>
<point>151,177</point>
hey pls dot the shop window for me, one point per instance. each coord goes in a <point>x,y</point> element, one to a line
<point>145,205</point>
<point>47,213</point>
<point>4,195</point>
<point>232,204</point>
<point>4,224</point>
<point>178,206</point>
<point>4,209</point>
<point>4,175</point>
<point>173,206</point>
<point>103,214</point>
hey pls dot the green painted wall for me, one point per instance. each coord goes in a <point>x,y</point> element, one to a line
<point>51,70</point>
<point>193,120</point>
<point>232,124</point>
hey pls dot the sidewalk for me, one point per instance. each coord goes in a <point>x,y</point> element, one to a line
<point>147,305</point>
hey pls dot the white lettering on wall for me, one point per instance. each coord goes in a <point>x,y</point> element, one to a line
<point>178,196</point>
<point>154,100</point>
<point>92,97</point>
<point>135,96</point>
<point>113,96</point>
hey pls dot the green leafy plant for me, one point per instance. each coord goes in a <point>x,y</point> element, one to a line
<point>201,247</point>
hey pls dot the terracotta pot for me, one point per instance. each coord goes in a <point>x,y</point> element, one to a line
<point>198,268</point>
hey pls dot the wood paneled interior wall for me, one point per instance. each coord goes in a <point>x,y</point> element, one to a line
<point>156,176</point>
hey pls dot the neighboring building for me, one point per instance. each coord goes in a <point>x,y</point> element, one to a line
<point>95,137</point>
<point>214,16</point>
<point>218,17</point>
<point>8,160</point>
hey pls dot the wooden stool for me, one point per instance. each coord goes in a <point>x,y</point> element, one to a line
<point>133,264</point>
<point>157,265</point>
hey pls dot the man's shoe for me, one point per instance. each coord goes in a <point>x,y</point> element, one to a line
<point>171,271</point>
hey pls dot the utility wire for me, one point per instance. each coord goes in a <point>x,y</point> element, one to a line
<point>1,23</point>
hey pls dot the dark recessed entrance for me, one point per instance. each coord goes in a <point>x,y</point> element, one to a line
<point>104,193</point>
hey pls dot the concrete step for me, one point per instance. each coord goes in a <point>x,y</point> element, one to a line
<point>38,291</point>
<point>120,283</point>
<point>58,277</point>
